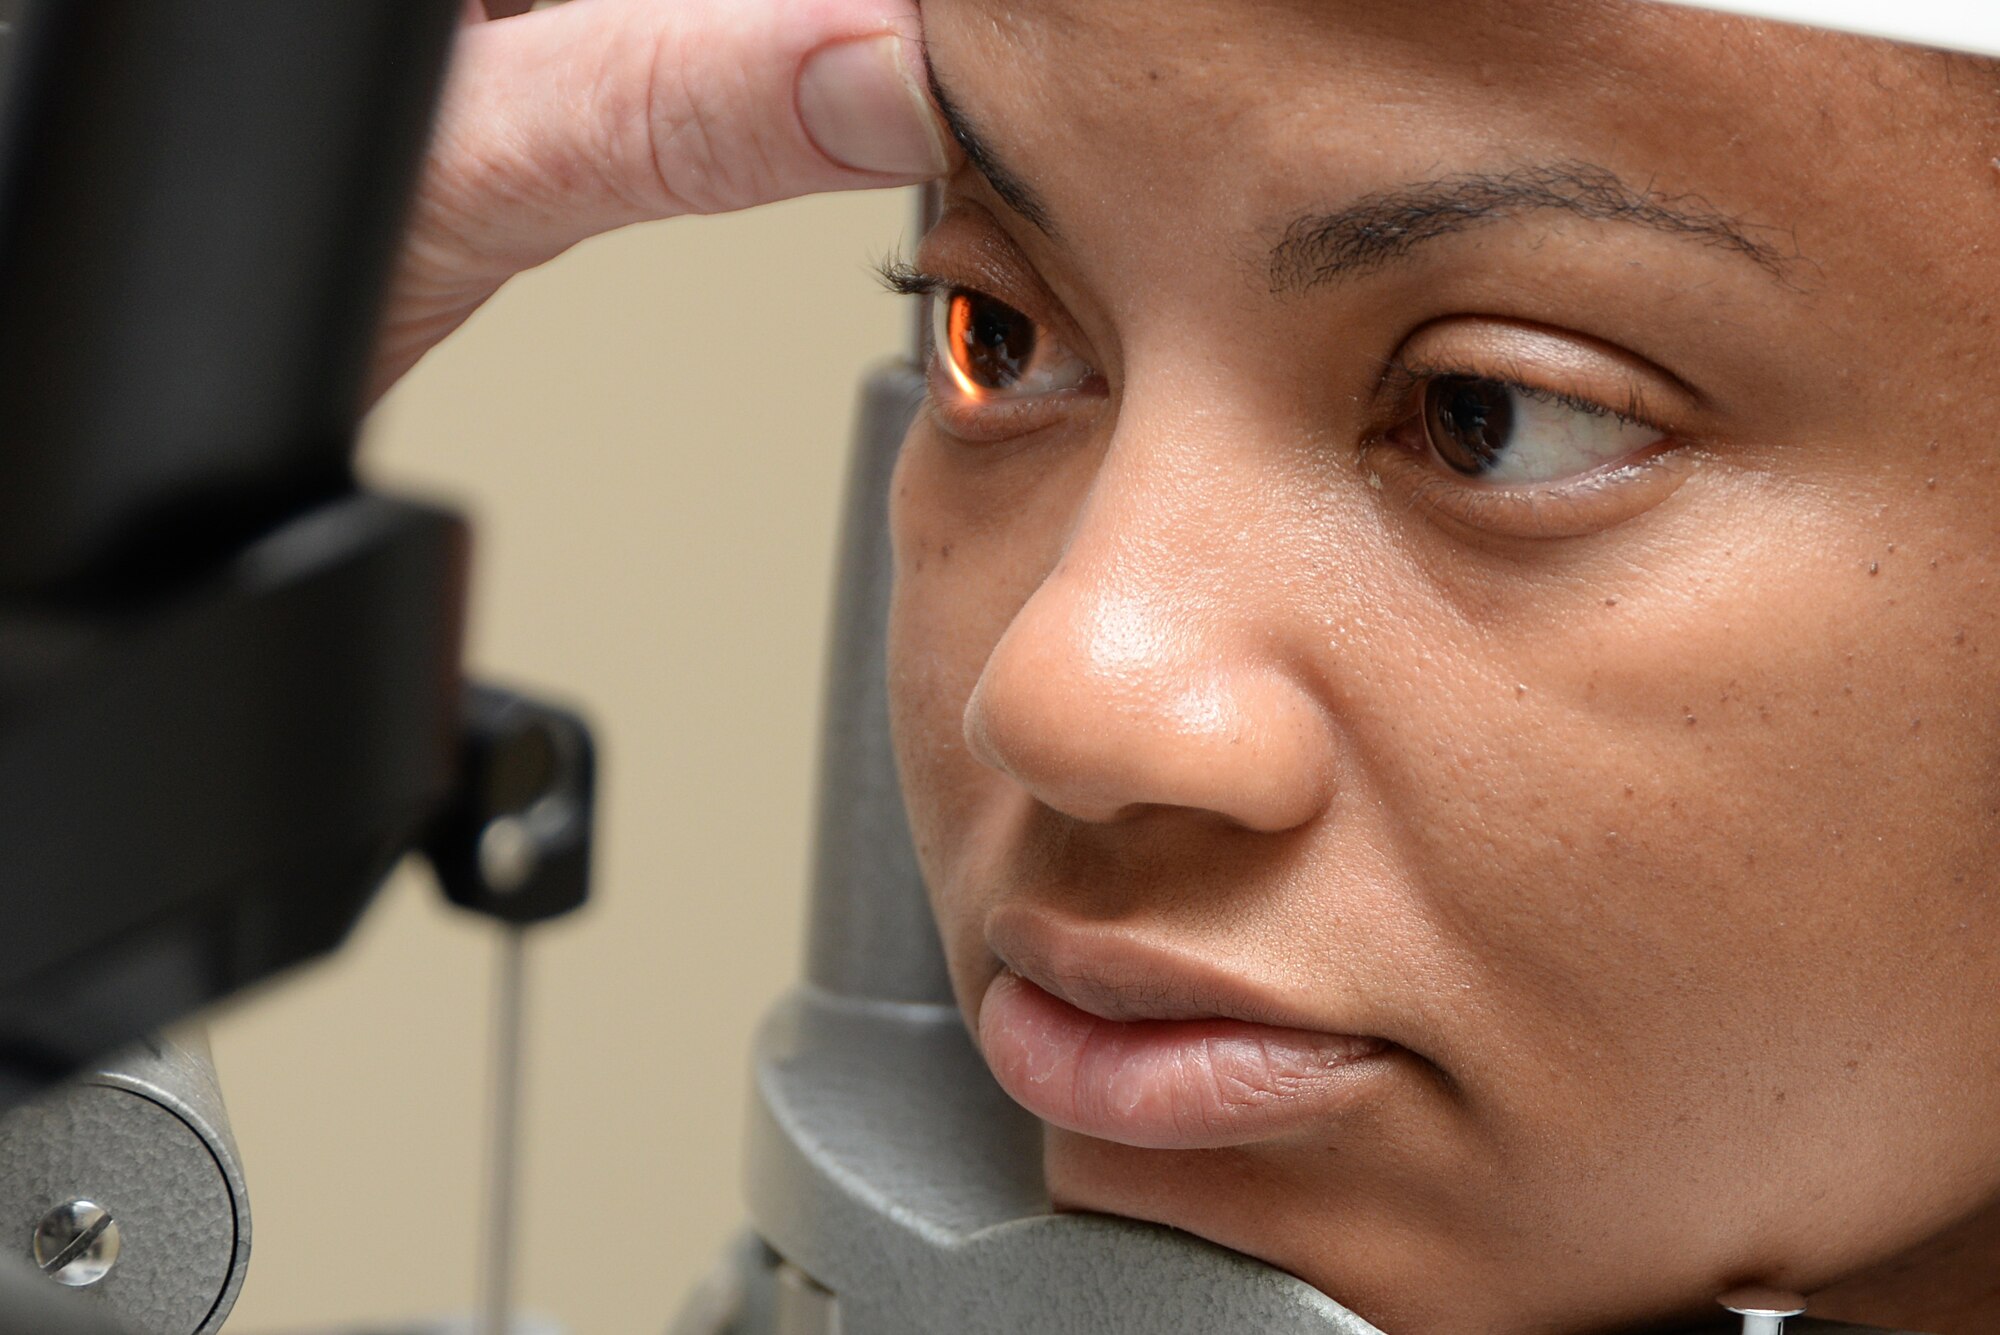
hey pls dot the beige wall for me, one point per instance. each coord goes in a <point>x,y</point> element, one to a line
<point>650,433</point>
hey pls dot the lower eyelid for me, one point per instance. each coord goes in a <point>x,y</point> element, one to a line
<point>1571,508</point>
<point>996,419</point>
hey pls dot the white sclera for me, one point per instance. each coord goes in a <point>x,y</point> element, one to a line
<point>1550,441</point>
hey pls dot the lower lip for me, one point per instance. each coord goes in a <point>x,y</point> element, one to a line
<point>1166,1084</point>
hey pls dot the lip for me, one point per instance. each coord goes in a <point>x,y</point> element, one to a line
<point>1114,1040</point>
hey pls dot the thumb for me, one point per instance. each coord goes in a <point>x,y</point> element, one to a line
<point>575,119</point>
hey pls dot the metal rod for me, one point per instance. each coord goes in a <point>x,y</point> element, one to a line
<point>496,1300</point>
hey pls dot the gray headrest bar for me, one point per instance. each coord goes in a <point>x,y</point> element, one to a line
<point>870,935</point>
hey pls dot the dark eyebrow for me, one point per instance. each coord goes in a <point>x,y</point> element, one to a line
<point>1380,229</point>
<point>1017,193</point>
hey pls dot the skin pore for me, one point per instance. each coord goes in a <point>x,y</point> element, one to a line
<point>1634,793</point>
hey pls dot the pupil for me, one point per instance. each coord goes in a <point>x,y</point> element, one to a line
<point>1469,421</point>
<point>997,341</point>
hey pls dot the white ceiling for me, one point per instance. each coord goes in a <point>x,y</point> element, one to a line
<point>1965,25</point>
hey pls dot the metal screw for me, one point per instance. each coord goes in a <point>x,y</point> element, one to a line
<point>1763,1310</point>
<point>508,855</point>
<point>77,1243</point>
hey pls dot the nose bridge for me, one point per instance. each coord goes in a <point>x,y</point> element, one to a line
<point>1136,565</point>
<point>1167,529</point>
<point>1151,667</point>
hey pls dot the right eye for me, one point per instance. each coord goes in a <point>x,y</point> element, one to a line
<point>990,351</point>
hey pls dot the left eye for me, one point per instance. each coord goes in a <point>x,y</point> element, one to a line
<point>992,351</point>
<point>1504,433</point>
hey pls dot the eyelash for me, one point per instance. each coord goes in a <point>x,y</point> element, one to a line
<point>907,280</point>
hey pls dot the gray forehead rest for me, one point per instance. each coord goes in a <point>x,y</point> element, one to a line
<point>870,932</point>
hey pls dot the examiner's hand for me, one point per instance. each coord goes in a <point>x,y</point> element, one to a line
<point>572,120</point>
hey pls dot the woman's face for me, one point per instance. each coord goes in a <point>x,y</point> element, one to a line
<point>1445,656</point>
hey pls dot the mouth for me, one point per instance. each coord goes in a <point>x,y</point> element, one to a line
<point>1121,1047</point>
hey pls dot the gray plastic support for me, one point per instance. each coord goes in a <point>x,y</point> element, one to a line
<point>886,1164</point>
<point>145,1136</point>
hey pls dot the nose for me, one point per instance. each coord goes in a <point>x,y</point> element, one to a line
<point>1148,670</point>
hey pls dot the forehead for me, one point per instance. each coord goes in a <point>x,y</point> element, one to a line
<point>1225,116</point>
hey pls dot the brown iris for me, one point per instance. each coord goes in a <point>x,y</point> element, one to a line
<point>1469,421</point>
<point>988,344</point>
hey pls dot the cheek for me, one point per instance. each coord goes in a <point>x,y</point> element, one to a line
<point>1689,824</point>
<point>975,530</point>
<point>932,658</point>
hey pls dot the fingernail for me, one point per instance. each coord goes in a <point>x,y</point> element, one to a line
<point>861,104</point>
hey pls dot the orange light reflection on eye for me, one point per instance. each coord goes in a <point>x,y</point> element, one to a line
<point>958,337</point>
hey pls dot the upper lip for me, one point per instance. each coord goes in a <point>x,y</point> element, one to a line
<point>1116,976</point>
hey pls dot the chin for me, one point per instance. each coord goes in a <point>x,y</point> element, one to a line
<point>1376,1249</point>
<point>1256,1201</point>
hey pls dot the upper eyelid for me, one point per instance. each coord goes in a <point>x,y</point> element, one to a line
<point>906,278</point>
<point>970,247</point>
<point>1401,379</point>
<point>1031,297</point>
